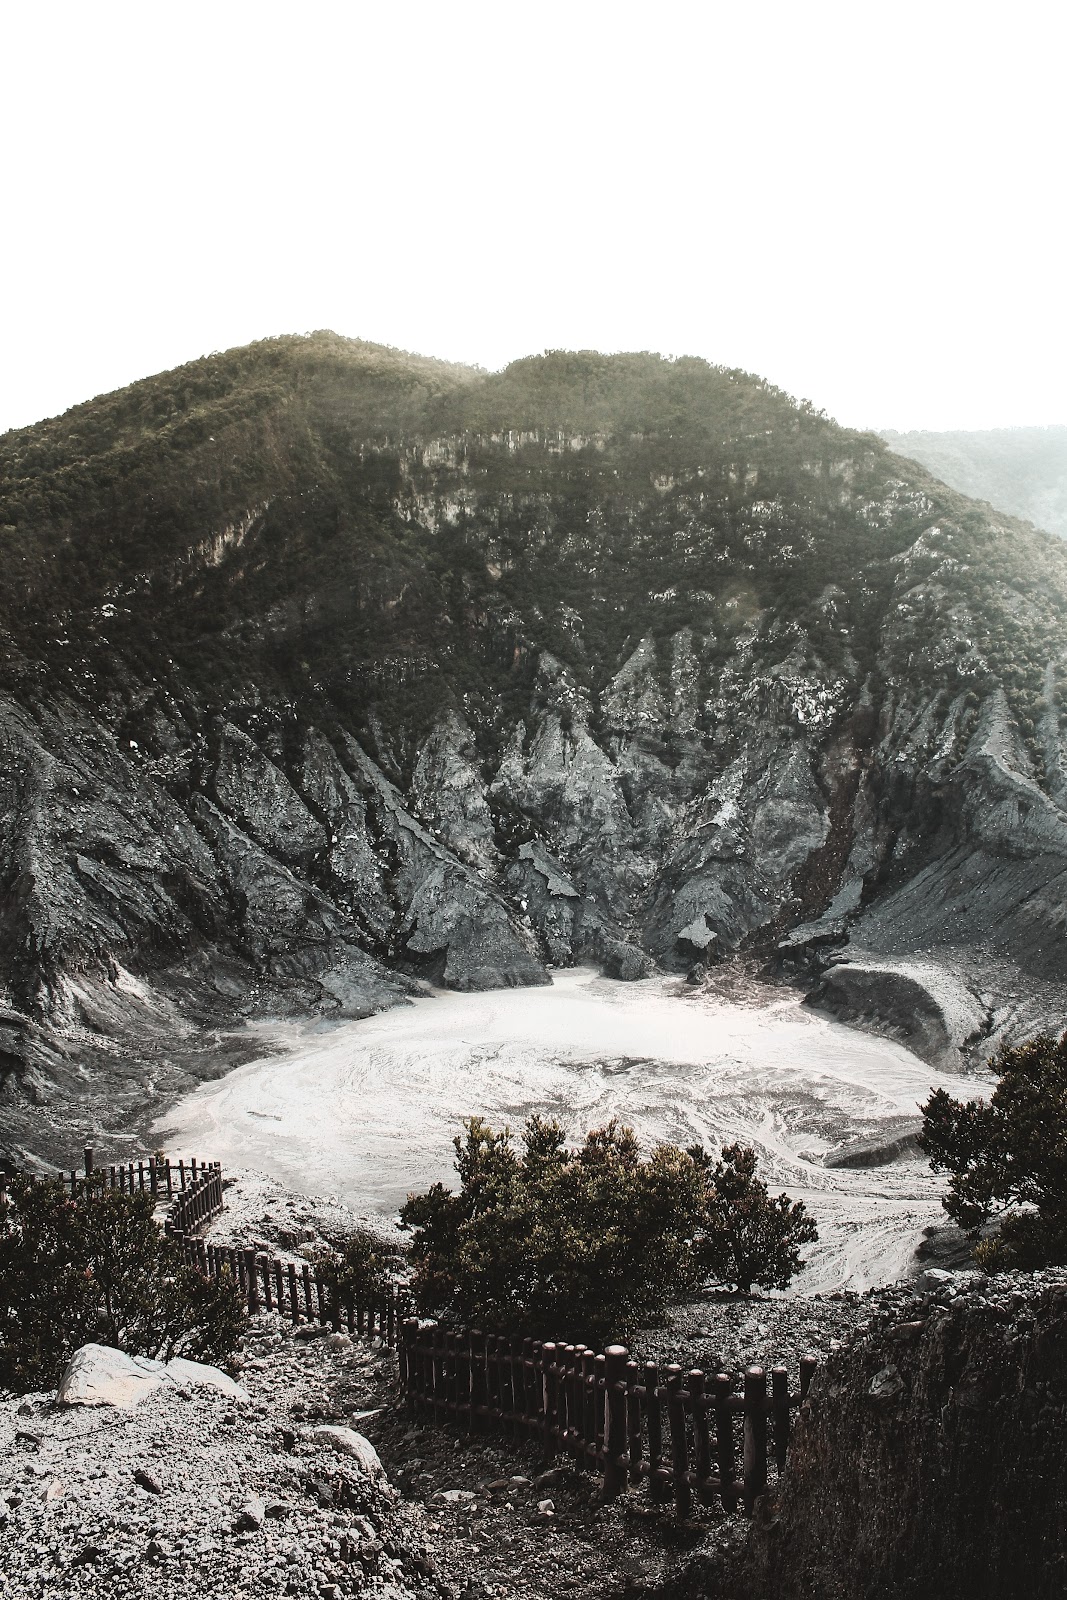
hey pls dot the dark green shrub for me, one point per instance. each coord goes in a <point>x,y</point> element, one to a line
<point>750,1237</point>
<point>1007,1157</point>
<point>97,1268</point>
<point>586,1243</point>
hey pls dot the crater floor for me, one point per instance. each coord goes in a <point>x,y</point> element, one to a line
<point>367,1110</point>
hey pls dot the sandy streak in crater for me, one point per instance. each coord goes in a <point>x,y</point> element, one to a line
<point>367,1110</point>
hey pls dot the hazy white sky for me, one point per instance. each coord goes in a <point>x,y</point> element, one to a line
<point>862,202</point>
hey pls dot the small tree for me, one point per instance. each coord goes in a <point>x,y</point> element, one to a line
<point>582,1243</point>
<point>96,1267</point>
<point>750,1238</point>
<point>1007,1156</point>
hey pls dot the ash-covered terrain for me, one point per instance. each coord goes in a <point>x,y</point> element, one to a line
<point>329,670</point>
<point>367,1110</point>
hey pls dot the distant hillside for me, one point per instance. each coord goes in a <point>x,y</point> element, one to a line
<point>1020,470</point>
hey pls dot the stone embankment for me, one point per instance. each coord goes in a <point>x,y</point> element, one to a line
<point>931,1461</point>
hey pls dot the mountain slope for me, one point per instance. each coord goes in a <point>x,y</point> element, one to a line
<point>1022,471</point>
<point>329,669</point>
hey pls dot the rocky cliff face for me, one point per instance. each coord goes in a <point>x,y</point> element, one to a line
<point>328,671</point>
<point>931,1457</point>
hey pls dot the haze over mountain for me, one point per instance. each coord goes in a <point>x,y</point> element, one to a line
<point>1019,470</point>
<point>329,668</point>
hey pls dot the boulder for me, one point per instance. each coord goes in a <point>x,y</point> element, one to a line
<point>198,1375</point>
<point>97,1375</point>
<point>347,1442</point>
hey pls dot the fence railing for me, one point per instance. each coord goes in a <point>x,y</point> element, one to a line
<point>302,1292</point>
<point>689,1435</point>
<point>157,1176</point>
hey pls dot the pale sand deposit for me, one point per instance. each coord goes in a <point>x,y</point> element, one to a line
<point>367,1110</point>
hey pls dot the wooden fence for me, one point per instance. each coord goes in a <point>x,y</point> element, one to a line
<point>301,1293</point>
<point>196,1183</point>
<point>688,1434</point>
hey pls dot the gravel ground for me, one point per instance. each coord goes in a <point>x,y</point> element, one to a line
<point>260,1212</point>
<point>198,1491</point>
<point>479,1518</point>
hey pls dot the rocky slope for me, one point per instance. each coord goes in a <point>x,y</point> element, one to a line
<point>329,670</point>
<point>931,1459</point>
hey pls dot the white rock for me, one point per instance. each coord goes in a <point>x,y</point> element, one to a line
<point>347,1442</point>
<point>251,1515</point>
<point>339,1341</point>
<point>198,1375</point>
<point>97,1375</point>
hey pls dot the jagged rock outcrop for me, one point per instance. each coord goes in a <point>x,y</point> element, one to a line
<point>455,676</point>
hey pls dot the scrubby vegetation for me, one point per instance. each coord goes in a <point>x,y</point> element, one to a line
<point>591,1242</point>
<point>358,1272</point>
<point>97,1268</point>
<point>450,523</point>
<point>1007,1157</point>
<point>750,1238</point>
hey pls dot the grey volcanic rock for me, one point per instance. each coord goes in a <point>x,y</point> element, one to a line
<point>456,675</point>
<point>921,1004</point>
<point>896,1139</point>
<point>250,788</point>
<point>447,787</point>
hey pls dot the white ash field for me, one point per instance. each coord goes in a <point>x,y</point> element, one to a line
<point>367,1110</point>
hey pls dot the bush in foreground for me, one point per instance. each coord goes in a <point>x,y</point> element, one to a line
<point>1007,1156</point>
<point>98,1268</point>
<point>581,1244</point>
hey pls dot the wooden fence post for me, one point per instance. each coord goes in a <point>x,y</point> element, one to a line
<point>808,1366</point>
<point>633,1420</point>
<point>755,1435</point>
<point>615,1458</point>
<point>724,1441</point>
<point>88,1158</point>
<point>252,1278</point>
<point>683,1494</point>
<point>780,1414</point>
<point>479,1408</point>
<point>657,1489</point>
<point>546,1364</point>
<point>701,1437</point>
